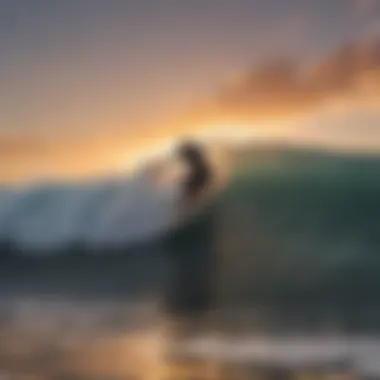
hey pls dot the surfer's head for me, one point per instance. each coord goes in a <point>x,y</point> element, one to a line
<point>191,152</point>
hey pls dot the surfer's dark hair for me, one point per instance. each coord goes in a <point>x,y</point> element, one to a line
<point>200,175</point>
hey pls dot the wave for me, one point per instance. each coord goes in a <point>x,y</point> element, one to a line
<point>304,226</point>
<point>110,212</point>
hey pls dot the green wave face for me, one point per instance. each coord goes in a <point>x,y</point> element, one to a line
<point>299,227</point>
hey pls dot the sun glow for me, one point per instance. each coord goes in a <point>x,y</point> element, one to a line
<point>234,133</point>
<point>212,136</point>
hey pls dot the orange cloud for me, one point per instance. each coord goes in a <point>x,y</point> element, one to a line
<point>281,86</point>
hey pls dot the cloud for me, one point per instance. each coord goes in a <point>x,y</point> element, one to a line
<point>14,145</point>
<point>283,85</point>
<point>365,6</point>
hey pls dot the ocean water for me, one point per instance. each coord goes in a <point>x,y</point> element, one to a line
<point>306,225</point>
<point>82,277</point>
<point>85,268</point>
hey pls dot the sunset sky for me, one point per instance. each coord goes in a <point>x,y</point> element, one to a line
<point>87,82</point>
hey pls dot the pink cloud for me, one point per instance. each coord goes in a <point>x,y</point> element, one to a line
<point>365,6</point>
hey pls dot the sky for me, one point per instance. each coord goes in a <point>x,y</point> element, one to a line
<point>86,81</point>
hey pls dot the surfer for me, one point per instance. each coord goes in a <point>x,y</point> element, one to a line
<point>197,184</point>
<point>191,244</point>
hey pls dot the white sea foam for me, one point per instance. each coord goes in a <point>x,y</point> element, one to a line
<point>118,210</point>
